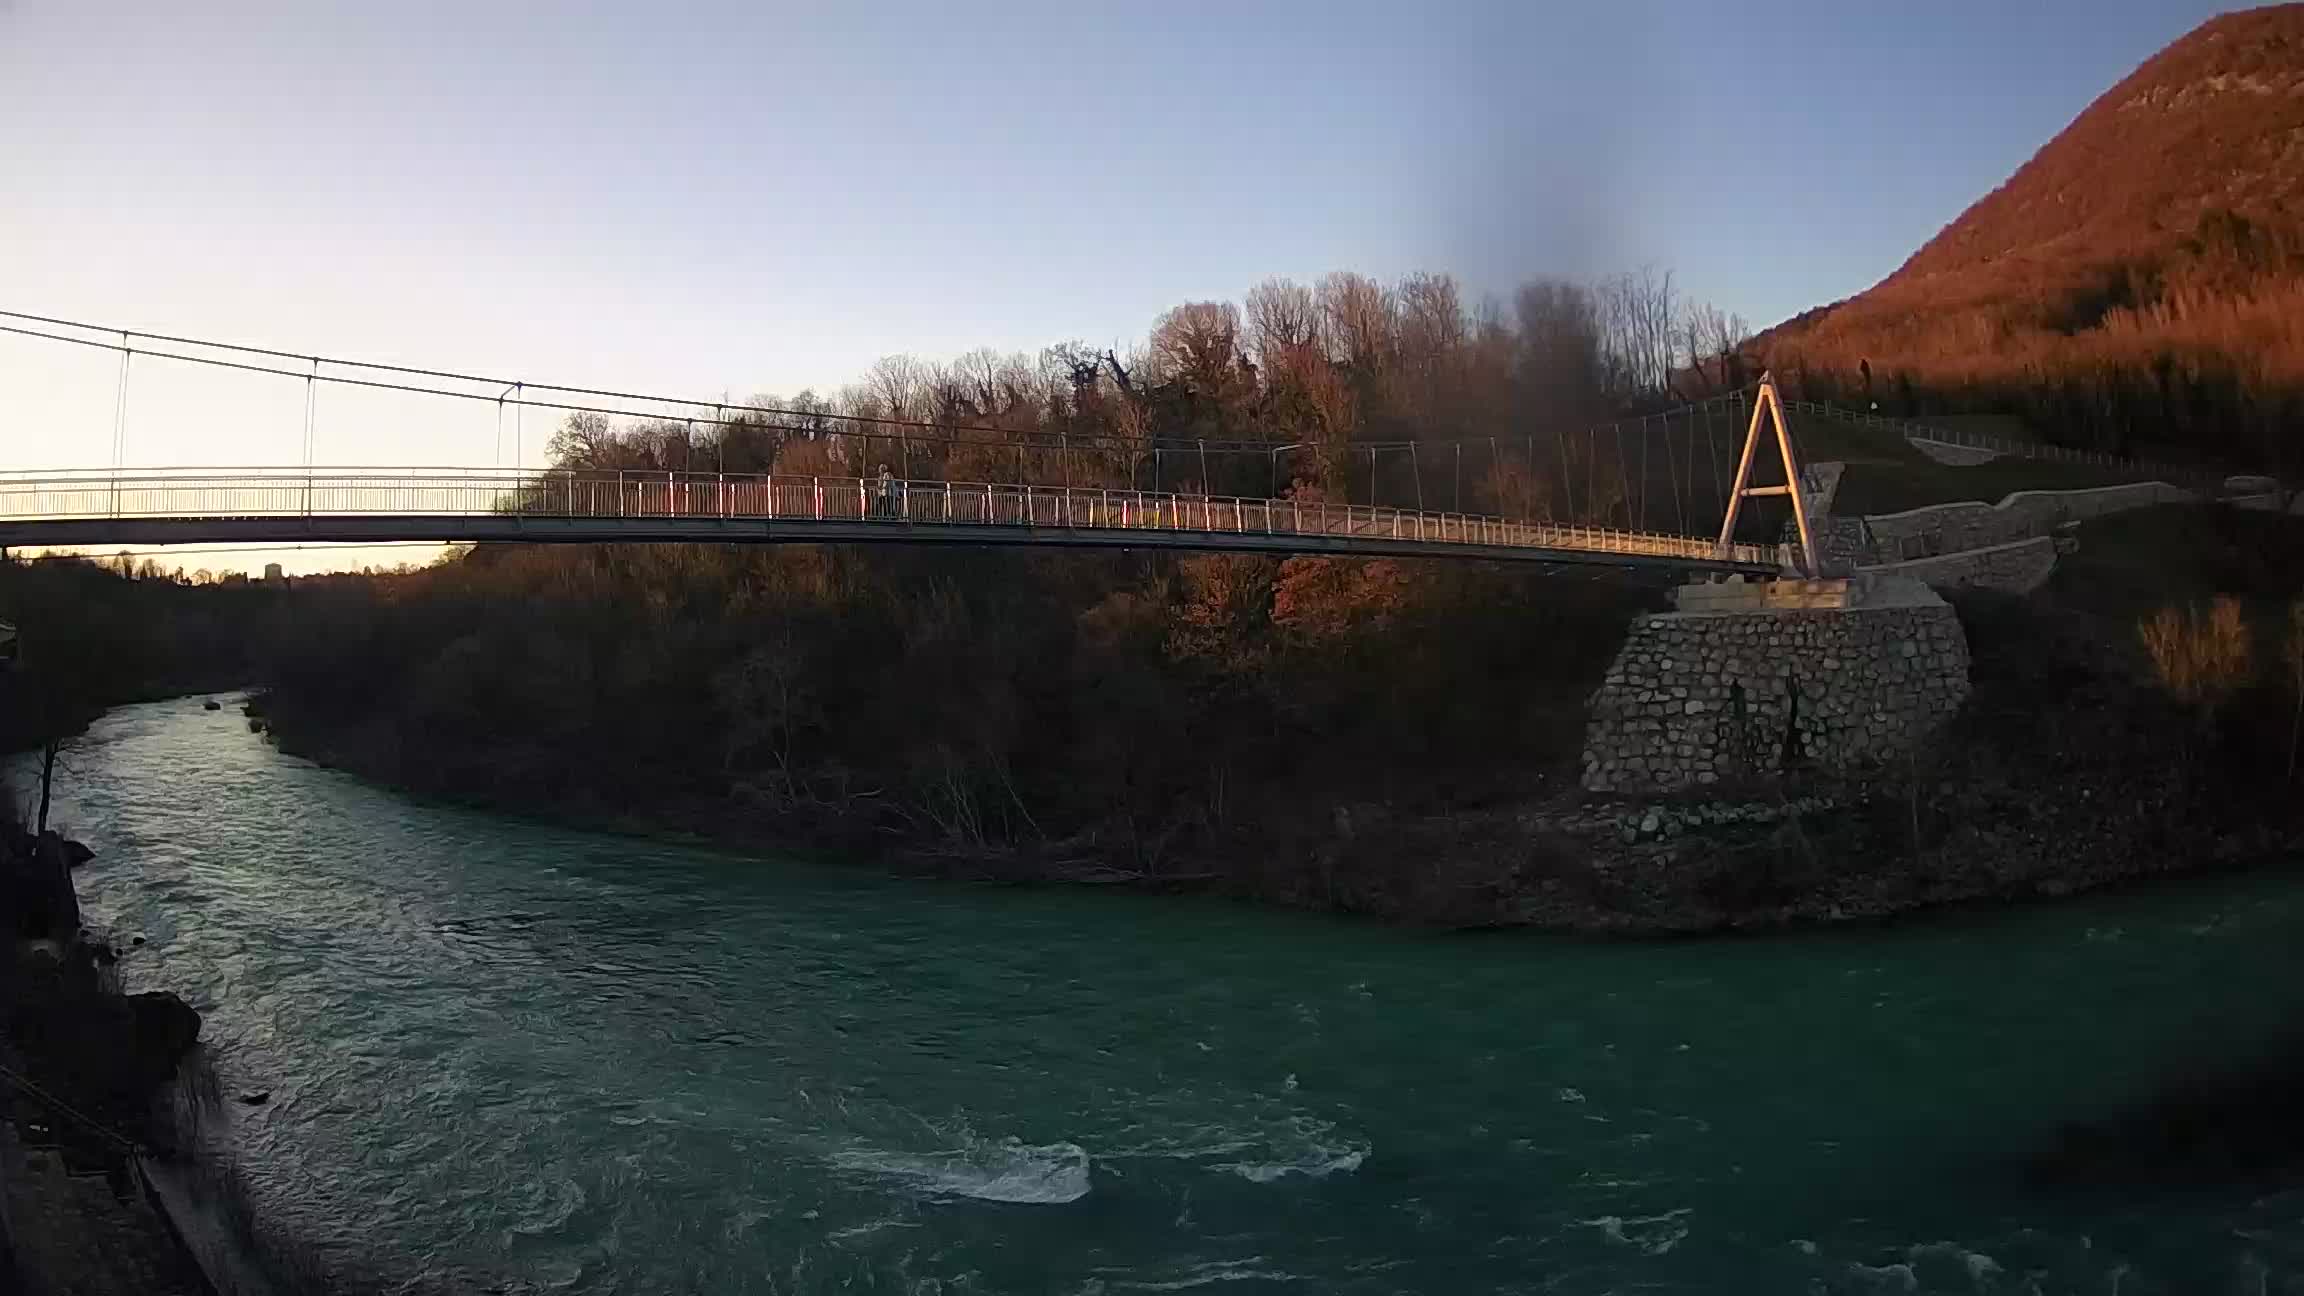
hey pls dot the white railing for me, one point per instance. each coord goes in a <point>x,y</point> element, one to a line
<point>293,493</point>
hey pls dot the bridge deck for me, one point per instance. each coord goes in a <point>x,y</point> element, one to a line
<point>374,506</point>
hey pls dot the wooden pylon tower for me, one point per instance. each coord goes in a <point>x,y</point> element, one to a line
<point>1768,405</point>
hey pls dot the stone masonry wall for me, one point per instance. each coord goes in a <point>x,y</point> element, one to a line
<point>1844,542</point>
<point>1697,697</point>
<point>2018,568</point>
<point>1949,528</point>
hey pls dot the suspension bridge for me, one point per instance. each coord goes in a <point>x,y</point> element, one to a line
<point>1642,493</point>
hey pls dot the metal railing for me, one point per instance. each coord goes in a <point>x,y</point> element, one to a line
<point>2197,475</point>
<point>252,493</point>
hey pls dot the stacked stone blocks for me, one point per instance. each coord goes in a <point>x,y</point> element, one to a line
<point>2017,568</point>
<point>1696,697</point>
<point>1950,528</point>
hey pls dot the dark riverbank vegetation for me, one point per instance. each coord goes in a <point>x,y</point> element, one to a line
<point>98,634</point>
<point>1379,737</point>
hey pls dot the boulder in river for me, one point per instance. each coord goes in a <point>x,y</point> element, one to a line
<point>211,705</point>
<point>36,886</point>
<point>162,1027</point>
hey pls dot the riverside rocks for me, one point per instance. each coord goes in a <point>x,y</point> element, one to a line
<point>1697,698</point>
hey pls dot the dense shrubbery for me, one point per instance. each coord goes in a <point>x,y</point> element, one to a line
<point>99,634</point>
<point>974,698</point>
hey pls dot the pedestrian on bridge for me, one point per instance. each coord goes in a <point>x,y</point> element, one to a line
<point>887,492</point>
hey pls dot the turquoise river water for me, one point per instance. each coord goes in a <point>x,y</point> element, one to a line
<point>514,1056</point>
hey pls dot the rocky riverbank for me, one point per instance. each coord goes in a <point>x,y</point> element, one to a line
<point>87,1077</point>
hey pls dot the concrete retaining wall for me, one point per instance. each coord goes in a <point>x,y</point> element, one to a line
<point>2017,568</point>
<point>1696,697</point>
<point>1953,453</point>
<point>2271,502</point>
<point>1949,528</point>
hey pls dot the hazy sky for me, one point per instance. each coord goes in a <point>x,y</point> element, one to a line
<point>758,197</point>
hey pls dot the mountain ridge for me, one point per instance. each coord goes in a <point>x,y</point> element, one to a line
<point>2153,247</point>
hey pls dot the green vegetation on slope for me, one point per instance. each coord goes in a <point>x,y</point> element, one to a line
<point>1886,474</point>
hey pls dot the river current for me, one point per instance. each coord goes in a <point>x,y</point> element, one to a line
<point>512,1055</point>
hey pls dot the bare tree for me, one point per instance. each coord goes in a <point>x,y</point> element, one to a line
<point>1335,412</point>
<point>1360,319</point>
<point>584,441</point>
<point>1283,319</point>
<point>1563,362</point>
<point>1431,334</point>
<point>1639,327</point>
<point>1712,345</point>
<point>901,385</point>
<point>1199,341</point>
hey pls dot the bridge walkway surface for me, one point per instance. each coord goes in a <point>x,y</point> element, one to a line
<point>142,507</point>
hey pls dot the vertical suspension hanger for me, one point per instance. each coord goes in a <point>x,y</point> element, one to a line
<point>1566,474</point>
<point>311,406</point>
<point>120,404</point>
<point>120,418</point>
<point>496,456</point>
<point>1592,476</point>
<point>1624,478</point>
<point>1642,523</point>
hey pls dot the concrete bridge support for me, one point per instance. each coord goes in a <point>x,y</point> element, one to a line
<point>1753,679</point>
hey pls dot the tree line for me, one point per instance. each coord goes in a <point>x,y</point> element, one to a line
<point>1149,712</point>
<point>1324,390</point>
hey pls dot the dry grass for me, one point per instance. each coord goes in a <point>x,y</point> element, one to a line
<point>2201,656</point>
<point>2137,286</point>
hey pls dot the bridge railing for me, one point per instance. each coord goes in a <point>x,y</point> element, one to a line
<point>2205,478</point>
<point>270,493</point>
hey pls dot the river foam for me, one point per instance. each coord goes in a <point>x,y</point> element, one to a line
<point>1007,1170</point>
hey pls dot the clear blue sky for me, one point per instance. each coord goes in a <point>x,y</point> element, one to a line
<point>756,197</point>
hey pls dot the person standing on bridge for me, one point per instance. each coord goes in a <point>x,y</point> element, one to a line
<point>887,492</point>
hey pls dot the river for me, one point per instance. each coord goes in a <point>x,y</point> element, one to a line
<point>504,1053</point>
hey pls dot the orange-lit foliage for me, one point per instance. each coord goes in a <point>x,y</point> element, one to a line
<point>2137,286</point>
<point>2201,656</point>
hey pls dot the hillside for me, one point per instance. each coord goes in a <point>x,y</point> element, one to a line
<point>2137,286</point>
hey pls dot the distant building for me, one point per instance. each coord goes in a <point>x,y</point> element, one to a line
<point>273,575</point>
